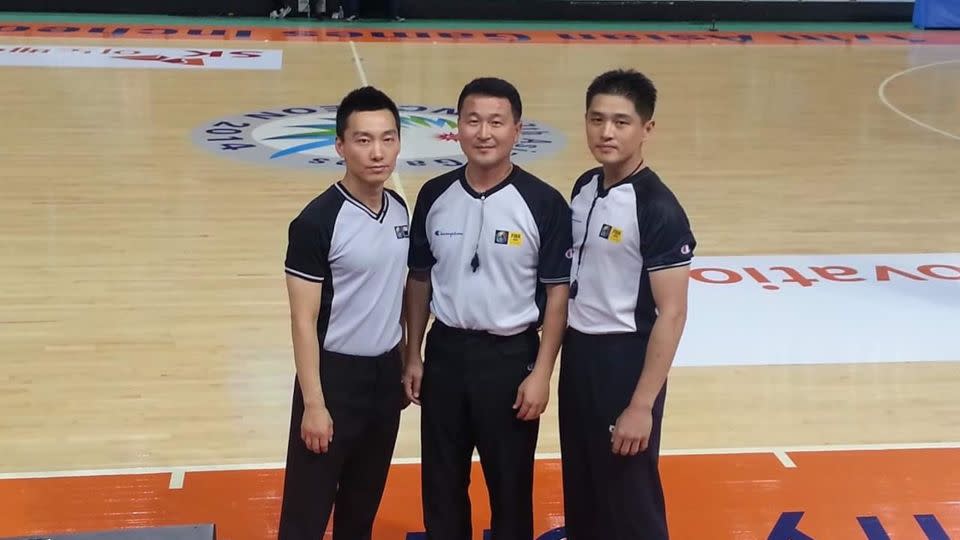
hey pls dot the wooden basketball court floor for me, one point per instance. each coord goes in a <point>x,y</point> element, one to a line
<point>145,355</point>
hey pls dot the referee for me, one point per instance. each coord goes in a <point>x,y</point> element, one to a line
<point>345,272</point>
<point>488,256</point>
<point>628,302</point>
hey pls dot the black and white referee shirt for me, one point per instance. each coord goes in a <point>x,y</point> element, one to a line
<point>360,258</point>
<point>620,236</point>
<point>490,254</point>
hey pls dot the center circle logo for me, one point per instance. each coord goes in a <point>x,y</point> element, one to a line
<point>304,137</point>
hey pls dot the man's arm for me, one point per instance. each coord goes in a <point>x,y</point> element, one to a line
<point>669,287</point>
<point>403,344</point>
<point>317,426</point>
<point>534,392</point>
<point>417,299</point>
<point>418,292</point>
<point>556,224</point>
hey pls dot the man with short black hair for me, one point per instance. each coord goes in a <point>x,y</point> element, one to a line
<point>628,302</point>
<point>345,271</point>
<point>488,256</point>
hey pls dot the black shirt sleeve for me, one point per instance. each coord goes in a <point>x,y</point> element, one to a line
<point>556,240</point>
<point>666,240</point>
<point>308,251</point>
<point>421,257</point>
<point>554,225</point>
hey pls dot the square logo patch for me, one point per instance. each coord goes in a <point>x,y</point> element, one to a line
<point>403,231</point>
<point>508,238</point>
<point>611,233</point>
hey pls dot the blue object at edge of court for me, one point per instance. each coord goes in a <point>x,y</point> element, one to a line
<point>929,14</point>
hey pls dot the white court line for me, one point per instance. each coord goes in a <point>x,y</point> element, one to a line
<point>359,64</point>
<point>785,459</point>
<point>176,478</point>
<point>413,461</point>
<point>883,97</point>
<point>395,177</point>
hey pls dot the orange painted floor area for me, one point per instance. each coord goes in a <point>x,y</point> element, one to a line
<point>872,495</point>
<point>392,34</point>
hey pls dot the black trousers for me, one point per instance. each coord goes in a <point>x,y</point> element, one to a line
<point>364,396</point>
<point>469,386</point>
<point>606,496</point>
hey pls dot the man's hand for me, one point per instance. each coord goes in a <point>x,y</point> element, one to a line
<point>631,434</point>
<point>316,429</point>
<point>412,377</point>
<point>532,396</point>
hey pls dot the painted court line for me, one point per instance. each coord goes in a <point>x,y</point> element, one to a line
<point>395,177</point>
<point>881,91</point>
<point>176,478</point>
<point>785,459</point>
<point>359,64</point>
<point>174,471</point>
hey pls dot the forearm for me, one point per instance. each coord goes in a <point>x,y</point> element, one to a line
<point>306,354</point>
<point>403,325</point>
<point>661,349</point>
<point>417,300</point>
<point>554,327</point>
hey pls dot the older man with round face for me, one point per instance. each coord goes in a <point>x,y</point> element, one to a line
<point>488,257</point>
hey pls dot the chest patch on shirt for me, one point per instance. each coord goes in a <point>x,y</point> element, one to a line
<point>509,238</point>
<point>403,231</point>
<point>611,233</point>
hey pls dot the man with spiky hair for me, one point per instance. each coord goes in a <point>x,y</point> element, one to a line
<point>632,249</point>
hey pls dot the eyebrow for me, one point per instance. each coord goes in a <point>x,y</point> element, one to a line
<point>494,115</point>
<point>615,115</point>
<point>368,134</point>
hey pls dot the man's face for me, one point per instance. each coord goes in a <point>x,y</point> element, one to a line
<point>615,132</point>
<point>488,130</point>
<point>370,145</point>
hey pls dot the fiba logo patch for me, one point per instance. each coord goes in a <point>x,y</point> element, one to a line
<point>305,137</point>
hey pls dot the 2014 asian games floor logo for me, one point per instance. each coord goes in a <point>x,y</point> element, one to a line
<point>304,137</point>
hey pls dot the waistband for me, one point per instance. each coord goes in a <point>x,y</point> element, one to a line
<point>443,328</point>
<point>333,354</point>
<point>619,336</point>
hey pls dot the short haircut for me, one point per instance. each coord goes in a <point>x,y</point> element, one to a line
<point>493,87</point>
<point>627,83</point>
<point>364,99</point>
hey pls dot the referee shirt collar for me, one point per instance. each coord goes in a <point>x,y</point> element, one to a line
<point>476,194</point>
<point>635,177</point>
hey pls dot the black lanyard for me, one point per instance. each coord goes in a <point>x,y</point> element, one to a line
<point>575,284</point>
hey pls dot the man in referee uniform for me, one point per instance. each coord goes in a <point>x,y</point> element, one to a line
<point>488,256</point>
<point>345,271</point>
<point>628,300</point>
